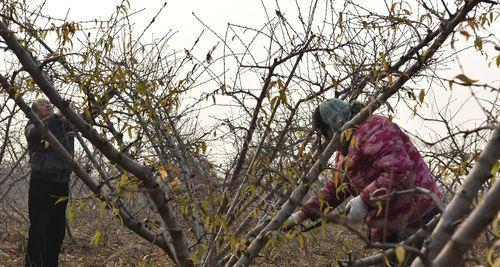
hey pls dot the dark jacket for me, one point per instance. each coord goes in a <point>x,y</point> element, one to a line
<point>44,161</point>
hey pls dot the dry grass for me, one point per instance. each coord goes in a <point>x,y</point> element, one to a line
<point>122,248</point>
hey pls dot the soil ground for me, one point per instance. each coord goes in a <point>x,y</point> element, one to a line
<point>123,248</point>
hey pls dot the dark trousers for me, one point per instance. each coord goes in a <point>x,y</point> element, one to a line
<point>395,238</point>
<point>47,222</point>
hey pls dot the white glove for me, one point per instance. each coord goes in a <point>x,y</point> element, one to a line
<point>356,209</point>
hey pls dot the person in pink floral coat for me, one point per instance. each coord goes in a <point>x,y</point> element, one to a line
<point>378,159</point>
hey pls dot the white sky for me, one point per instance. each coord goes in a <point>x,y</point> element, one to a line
<point>217,13</point>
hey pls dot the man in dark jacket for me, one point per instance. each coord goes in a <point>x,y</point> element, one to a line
<point>48,190</point>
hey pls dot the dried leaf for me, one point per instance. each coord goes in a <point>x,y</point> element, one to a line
<point>203,147</point>
<point>465,79</point>
<point>421,96</point>
<point>466,34</point>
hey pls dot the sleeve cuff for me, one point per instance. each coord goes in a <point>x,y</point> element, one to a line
<point>365,196</point>
<point>311,211</point>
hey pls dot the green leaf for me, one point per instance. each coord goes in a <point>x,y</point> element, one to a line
<point>465,79</point>
<point>498,61</point>
<point>400,254</point>
<point>478,43</point>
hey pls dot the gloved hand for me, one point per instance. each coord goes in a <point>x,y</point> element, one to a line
<point>356,209</point>
<point>295,219</point>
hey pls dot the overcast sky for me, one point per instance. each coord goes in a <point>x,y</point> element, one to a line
<point>217,13</point>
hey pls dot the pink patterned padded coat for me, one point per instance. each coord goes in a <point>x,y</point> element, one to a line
<point>381,159</point>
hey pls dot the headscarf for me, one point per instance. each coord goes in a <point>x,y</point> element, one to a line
<point>335,112</point>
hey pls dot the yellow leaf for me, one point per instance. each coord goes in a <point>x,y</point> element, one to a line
<point>61,199</point>
<point>268,244</point>
<point>379,207</point>
<point>207,222</point>
<point>348,133</point>
<point>96,240</point>
<point>465,79</point>
<point>323,227</point>
<point>495,227</point>
<point>17,94</point>
<point>494,171</point>
<point>347,164</point>
<point>252,188</point>
<point>122,182</point>
<point>489,257</point>
<point>400,254</point>
<point>301,240</point>
<point>45,144</point>
<point>163,172</point>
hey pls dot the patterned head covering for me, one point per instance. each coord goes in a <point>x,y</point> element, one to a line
<point>335,113</point>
